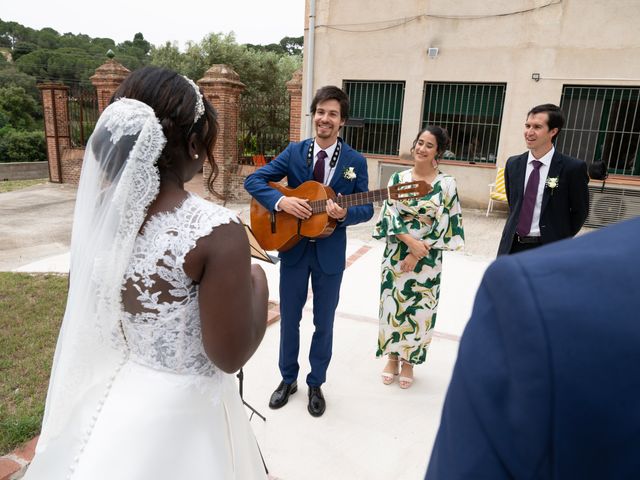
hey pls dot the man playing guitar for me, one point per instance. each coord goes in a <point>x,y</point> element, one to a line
<point>330,161</point>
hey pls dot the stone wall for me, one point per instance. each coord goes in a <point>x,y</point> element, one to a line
<point>23,170</point>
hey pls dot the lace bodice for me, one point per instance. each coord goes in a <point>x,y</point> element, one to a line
<point>161,322</point>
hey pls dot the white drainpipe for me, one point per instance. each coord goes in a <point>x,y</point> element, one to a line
<point>308,132</point>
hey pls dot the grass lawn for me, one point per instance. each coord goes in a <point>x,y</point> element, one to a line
<point>10,185</point>
<point>31,310</point>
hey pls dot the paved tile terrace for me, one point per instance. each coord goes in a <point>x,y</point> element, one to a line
<point>370,430</point>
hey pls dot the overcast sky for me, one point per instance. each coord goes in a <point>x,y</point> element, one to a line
<point>253,21</point>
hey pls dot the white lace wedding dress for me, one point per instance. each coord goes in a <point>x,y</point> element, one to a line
<point>168,413</point>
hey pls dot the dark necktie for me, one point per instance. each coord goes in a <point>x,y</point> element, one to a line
<point>318,169</point>
<point>529,201</point>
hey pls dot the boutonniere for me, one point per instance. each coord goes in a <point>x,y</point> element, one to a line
<point>349,173</point>
<point>552,183</point>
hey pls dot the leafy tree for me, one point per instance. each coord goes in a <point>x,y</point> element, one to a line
<point>71,66</point>
<point>23,48</point>
<point>34,64</point>
<point>265,111</point>
<point>47,55</point>
<point>10,75</point>
<point>17,108</point>
<point>169,56</point>
<point>69,58</point>
<point>18,34</point>
<point>288,46</point>
<point>134,54</point>
<point>292,45</point>
<point>261,71</point>
<point>48,38</point>
<point>140,43</point>
<point>272,47</point>
<point>5,40</point>
<point>22,146</point>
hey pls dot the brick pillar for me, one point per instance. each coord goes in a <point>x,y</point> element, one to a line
<point>107,79</point>
<point>55,107</point>
<point>294,87</point>
<point>221,85</point>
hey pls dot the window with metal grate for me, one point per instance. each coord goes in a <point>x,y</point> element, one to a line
<point>375,116</point>
<point>602,125</point>
<point>471,113</point>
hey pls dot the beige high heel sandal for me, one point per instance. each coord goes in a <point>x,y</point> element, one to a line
<point>388,377</point>
<point>405,382</point>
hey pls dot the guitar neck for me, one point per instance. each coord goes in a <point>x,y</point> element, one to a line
<point>355,199</point>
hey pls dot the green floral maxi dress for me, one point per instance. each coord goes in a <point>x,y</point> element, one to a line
<point>409,300</point>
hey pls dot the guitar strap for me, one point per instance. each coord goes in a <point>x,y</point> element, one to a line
<point>334,157</point>
<point>310,153</point>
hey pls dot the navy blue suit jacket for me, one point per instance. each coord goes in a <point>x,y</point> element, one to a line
<point>564,209</point>
<point>292,163</point>
<point>547,381</point>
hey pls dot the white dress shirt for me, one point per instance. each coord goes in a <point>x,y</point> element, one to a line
<point>544,171</point>
<point>328,171</point>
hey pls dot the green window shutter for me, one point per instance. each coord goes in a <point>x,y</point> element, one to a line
<point>376,115</point>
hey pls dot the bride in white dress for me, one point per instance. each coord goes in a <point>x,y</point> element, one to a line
<point>164,305</point>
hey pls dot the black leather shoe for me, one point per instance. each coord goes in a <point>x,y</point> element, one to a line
<point>317,405</point>
<point>280,396</point>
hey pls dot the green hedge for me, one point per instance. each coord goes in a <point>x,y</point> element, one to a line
<point>22,146</point>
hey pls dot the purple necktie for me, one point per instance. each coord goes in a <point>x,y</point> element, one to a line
<point>318,169</point>
<point>529,201</point>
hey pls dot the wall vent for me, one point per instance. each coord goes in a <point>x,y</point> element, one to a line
<point>612,205</point>
<point>385,170</point>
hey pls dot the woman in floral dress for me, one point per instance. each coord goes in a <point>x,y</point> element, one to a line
<point>416,233</point>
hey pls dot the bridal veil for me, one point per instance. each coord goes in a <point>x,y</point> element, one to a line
<point>119,181</point>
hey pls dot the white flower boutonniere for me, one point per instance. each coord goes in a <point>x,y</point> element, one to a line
<point>552,183</point>
<point>349,173</point>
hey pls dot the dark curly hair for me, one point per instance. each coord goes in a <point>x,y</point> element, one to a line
<point>173,100</point>
<point>441,135</point>
<point>331,92</point>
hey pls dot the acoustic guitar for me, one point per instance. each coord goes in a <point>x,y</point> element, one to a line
<point>281,231</point>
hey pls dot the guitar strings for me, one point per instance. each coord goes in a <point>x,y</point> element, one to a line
<point>401,191</point>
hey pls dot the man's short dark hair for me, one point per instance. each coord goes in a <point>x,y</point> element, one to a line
<point>556,117</point>
<point>331,92</point>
